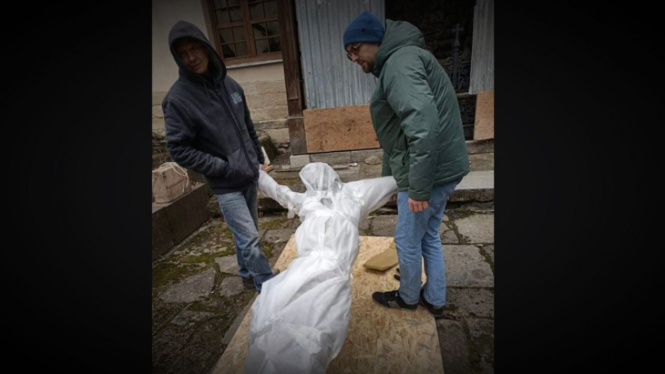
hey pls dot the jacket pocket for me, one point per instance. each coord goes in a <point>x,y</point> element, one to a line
<point>239,170</point>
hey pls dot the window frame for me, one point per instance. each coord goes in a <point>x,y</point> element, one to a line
<point>247,23</point>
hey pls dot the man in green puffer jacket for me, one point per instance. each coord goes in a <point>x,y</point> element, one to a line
<point>417,120</point>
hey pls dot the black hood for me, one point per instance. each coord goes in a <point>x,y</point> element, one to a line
<point>184,29</point>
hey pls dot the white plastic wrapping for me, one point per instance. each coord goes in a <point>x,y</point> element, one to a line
<point>300,319</point>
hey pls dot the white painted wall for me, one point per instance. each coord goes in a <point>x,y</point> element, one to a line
<point>165,13</point>
<point>259,73</point>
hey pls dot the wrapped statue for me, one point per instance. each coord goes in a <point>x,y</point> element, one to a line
<point>299,321</point>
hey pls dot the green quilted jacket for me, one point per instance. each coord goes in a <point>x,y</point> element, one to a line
<point>416,115</point>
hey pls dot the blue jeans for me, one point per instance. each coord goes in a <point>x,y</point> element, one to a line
<point>416,237</point>
<point>240,211</point>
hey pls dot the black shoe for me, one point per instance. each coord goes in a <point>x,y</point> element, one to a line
<point>392,299</point>
<point>248,282</point>
<point>436,312</point>
<point>274,274</point>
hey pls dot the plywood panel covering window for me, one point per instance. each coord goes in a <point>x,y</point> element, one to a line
<point>245,30</point>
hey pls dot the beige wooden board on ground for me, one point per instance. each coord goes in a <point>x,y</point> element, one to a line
<point>384,260</point>
<point>483,127</point>
<point>379,340</point>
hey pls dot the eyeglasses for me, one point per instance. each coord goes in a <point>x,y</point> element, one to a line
<point>354,51</point>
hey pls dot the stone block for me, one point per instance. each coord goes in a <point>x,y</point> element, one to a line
<point>478,195</point>
<point>449,237</point>
<point>362,155</point>
<point>228,264</point>
<point>298,161</point>
<point>231,286</point>
<point>481,161</point>
<point>271,124</point>
<point>157,111</point>
<point>489,251</point>
<point>384,225</point>
<point>466,267</point>
<point>278,136</point>
<point>482,338</point>
<point>483,127</point>
<point>188,213</point>
<point>278,236</point>
<point>169,182</point>
<point>477,228</point>
<point>190,289</point>
<point>476,186</point>
<point>480,146</point>
<point>369,171</point>
<point>454,347</point>
<point>470,302</point>
<point>158,125</point>
<point>162,240</point>
<point>332,158</point>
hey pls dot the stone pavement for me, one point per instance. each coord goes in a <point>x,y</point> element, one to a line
<point>198,300</point>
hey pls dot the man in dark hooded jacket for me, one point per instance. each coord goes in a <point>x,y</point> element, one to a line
<point>209,130</point>
<point>417,120</point>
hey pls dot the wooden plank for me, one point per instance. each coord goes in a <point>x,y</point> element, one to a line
<point>297,137</point>
<point>482,51</point>
<point>339,129</point>
<point>484,123</point>
<point>379,340</point>
<point>289,40</point>
<point>291,64</point>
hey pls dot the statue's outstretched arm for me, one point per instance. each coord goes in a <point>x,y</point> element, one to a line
<point>282,194</point>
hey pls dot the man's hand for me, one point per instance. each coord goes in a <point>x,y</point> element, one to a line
<point>267,168</point>
<point>417,206</point>
<point>393,199</point>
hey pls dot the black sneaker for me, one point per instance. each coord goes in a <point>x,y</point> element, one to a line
<point>392,299</point>
<point>248,282</point>
<point>436,312</point>
<point>274,274</point>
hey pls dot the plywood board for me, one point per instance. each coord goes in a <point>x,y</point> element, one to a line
<point>379,340</point>
<point>339,129</point>
<point>484,125</point>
